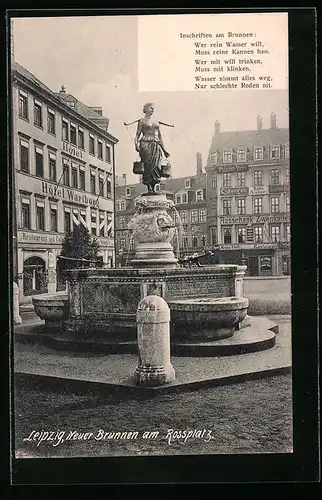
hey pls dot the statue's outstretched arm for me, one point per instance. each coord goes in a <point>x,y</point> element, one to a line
<point>166,124</point>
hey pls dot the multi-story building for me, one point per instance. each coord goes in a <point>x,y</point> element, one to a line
<point>63,159</point>
<point>248,198</point>
<point>188,194</point>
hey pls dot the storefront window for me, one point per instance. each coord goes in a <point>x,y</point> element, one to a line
<point>227,235</point>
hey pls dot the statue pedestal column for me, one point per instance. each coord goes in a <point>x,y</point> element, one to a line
<point>153,229</point>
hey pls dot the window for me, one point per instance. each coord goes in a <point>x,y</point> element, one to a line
<point>40,216</point>
<point>23,104</point>
<point>157,187</point>
<point>121,221</point>
<point>287,229</point>
<point>74,176</point>
<point>82,178</point>
<point>67,221</point>
<point>275,233</point>
<point>227,156</point>
<point>37,113</point>
<point>108,187</point>
<point>102,223</point>
<point>122,243</point>
<point>241,154</point>
<point>287,176</point>
<point>25,213</point>
<point>187,183</point>
<point>73,134</point>
<point>194,241</point>
<point>241,206</point>
<point>93,222</point>
<point>214,182</point>
<point>258,205</point>
<point>24,156</point>
<point>275,152</point>
<point>193,216</point>
<point>226,179</point>
<point>185,241</point>
<point>51,122</point>
<point>227,235</point>
<point>108,153</point>
<point>241,234</point>
<point>80,138</point>
<point>91,144</point>
<point>199,195</point>
<point>275,204</point>
<point>100,149</point>
<point>75,218</point>
<point>258,178</point>
<point>286,151</point>
<point>66,180</point>
<point>93,182</point>
<point>64,128</point>
<point>52,166</point>
<point>203,240</point>
<point>122,205</point>
<point>184,217</point>
<point>202,215</point>
<point>258,233</point>
<point>213,235</point>
<point>258,153</point>
<point>226,207</point>
<point>274,178</point>
<point>184,198</point>
<point>53,218</point>
<point>39,157</point>
<point>101,184</point>
<point>240,179</point>
<point>128,191</point>
<point>287,203</point>
<point>214,157</point>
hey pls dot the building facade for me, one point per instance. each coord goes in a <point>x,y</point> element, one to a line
<point>64,163</point>
<point>248,198</point>
<point>190,215</point>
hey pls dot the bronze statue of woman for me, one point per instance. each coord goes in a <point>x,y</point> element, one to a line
<point>149,144</point>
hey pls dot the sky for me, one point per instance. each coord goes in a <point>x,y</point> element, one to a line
<point>96,59</point>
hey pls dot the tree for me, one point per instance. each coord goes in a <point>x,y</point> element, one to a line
<point>78,244</point>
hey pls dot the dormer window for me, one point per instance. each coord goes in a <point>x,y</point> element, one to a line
<point>275,152</point>
<point>187,183</point>
<point>184,198</point>
<point>227,156</point>
<point>214,157</point>
<point>199,195</point>
<point>128,191</point>
<point>71,104</point>
<point>258,153</point>
<point>178,199</point>
<point>241,154</point>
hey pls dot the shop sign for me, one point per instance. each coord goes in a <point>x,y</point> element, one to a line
<point>247,246</point>
<point>265,263</point>
<point>68,194</point>
<point>229,191</point>
<point>255,219</point>
<point>72,150</point>
<point>279,188</point>
<point>33,237</point>
<point>258,190</point>
<point>232,168</point>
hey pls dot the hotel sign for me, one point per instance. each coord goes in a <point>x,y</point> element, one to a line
<point>279,188</point>
<point>72,150</point>
<point>258,190</point>
<point>255,219</point>
<point>248,246</point>
<point>68,194</point>
<point>232,168</point>
<point>229,191</point>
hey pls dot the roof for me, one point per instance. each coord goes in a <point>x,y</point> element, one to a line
<point>249,138</point>
<point>81,109</point>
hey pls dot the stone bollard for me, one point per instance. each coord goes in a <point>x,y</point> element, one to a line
<point>153,327</point>
<point>16,316</point>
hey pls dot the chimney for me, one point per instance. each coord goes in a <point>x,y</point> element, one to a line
<point>124,179</point>
<point>217,127</point>
<point>259,123</point>
<point>199,164</point>
<point>273,120</point>
<point>62,90</point>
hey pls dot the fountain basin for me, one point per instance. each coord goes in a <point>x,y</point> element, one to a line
<point>205,319</point>
<point>52,308</point>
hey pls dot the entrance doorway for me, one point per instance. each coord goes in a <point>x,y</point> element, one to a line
<point>34,276</point>
<point>252,266</point>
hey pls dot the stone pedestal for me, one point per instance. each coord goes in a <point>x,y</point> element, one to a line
<point>153,330</point>
<point>16,315</point>
<point>152,230</point>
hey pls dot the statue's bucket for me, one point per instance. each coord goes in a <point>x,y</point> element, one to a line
<point>138,167</point>
<point>165,168</point>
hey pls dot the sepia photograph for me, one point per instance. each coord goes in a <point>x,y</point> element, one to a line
<point>151,233</point>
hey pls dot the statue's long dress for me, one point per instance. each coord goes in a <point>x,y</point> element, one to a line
<point>151,153</point>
